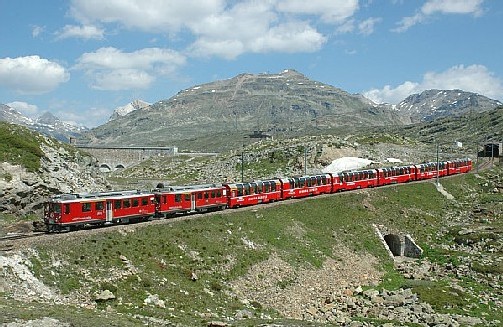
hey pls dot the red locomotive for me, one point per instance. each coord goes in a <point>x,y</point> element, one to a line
<point>71,211</point>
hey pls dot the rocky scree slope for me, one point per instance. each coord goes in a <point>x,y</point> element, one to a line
<point>53,168</point>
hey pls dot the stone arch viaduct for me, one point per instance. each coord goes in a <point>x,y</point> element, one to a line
<point>111,158</point>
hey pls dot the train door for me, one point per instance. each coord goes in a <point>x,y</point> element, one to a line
<point>192,201</point>
<point>109,212</point>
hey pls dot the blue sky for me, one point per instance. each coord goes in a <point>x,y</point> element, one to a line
<point>81,59</point>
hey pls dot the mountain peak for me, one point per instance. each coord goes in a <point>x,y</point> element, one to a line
<point>432,104</point>
<point>48,118</point>
<point>128,108</point>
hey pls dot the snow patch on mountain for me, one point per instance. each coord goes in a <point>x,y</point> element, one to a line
<point>129,108</point>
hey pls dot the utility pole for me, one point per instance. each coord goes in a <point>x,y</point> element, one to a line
<point>438,163</point>
<point>242,166</point>
<point>305,161</point>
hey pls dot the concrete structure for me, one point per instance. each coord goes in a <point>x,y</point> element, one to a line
<point>398,245</point>
<point>111,158</point>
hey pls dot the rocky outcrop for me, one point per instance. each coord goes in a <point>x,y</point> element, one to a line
<point>62,170</point>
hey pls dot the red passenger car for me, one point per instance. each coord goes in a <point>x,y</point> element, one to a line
<point>299,187</point>
<point>426,170</point>
<point>246,194</point>
<point>392,175</point>
<point>459,166</point>
<point>356,179</point>
<point>196,198</point>
<point>72,211</point>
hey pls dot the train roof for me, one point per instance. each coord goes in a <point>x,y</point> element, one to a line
<point>188,188</point>
<point>69,197</point>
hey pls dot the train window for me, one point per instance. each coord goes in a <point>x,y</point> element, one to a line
<point>126,203</point>
<point>144,201</point>
<point>254,188</point>
<point>178,197</point>
<point>273,186</point>
<point>213,194</point>
<point>135,202</point>
<point>200,195</point>
<point>86,207</point>
<point>187,197</point>
<point>117,204</point>
<point>240,190</point>
<point>267,187</point>
<point>100,205</point>
<point>219,193</point>
<point>56,207</point>
<point>206,195</point>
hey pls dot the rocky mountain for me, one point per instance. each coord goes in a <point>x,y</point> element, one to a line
<point>33,166</point>
<point>47,124</point>
<point>13,116</point>
<point>287,103</point>
<point>217,116</point>
<point>432,104</point>
<point>128,108</point>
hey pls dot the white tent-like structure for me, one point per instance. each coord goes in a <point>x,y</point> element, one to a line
<point>346,163</point>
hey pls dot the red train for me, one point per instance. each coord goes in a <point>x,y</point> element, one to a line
<point>72,211</point>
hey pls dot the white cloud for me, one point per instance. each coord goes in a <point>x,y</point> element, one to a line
<point>83,32</point>
<point>432,7</point>
<point>36,31</point>
<point>367,26</point>
<point>330,11</point>
<point>31,75</point>
<point>147,15</point>
<point>452,7</point>
<point>474,78</point>
<point>227,28</point>
<point>112,69</point>
<point>29,110</point>
<point>122,79</point>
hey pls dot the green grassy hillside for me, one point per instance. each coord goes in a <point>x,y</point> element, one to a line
<point>19,145</point>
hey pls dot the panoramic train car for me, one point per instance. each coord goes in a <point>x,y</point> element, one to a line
<point>355,180</point>
<point>197,198</point>
<point>299,187</point>
<point>393,175</point>
<point>72,211</point>
<point>246,194</point>
<point>426,170</point>
<point>459,166</point>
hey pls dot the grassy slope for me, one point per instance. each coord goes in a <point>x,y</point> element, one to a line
<point>19,145</point>
<point>213,248</point>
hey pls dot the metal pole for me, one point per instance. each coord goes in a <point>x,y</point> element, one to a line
<point>438,163</point>
<point>477,150</point>
<point>305,161</point>
<point>242,166</point>
<point>492,152</point>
